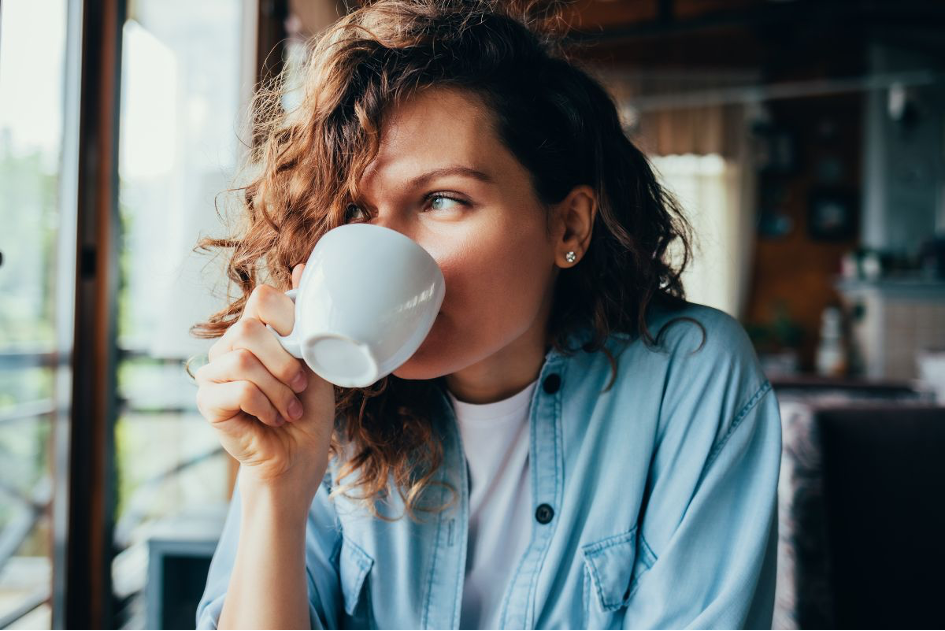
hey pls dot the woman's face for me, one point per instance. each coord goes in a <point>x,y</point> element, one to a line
<point>443,178</point>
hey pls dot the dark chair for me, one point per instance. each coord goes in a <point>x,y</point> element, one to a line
<point>860,515</point>
<point>884,490</point>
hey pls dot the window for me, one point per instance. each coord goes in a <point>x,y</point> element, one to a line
<point>37,235</point>
<point>179,143</point>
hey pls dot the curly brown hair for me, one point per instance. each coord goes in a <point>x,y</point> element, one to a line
<point>557,120</point>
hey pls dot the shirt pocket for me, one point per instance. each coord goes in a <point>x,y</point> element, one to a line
<point>354,568</point>
<point>609,579</point>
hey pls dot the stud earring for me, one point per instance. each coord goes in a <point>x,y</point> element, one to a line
<point>570,257</point>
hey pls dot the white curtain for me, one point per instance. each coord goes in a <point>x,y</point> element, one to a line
<point>699,145</point>
<point>713,193</point>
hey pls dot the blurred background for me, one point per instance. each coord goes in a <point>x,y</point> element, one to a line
<point>806,139</point>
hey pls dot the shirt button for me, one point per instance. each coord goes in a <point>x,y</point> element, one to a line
<point>544,514</point>
<point>552,383</point>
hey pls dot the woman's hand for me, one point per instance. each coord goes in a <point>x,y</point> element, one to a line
<point>270,411</point>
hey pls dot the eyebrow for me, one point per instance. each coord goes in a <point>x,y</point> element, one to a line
<point>420,180</point>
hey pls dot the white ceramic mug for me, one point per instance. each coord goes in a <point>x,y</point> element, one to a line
<point>367,299</point>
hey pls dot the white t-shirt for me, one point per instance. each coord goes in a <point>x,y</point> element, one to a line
<point>495,438</point>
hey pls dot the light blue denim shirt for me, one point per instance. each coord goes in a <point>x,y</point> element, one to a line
<point>653,502</point>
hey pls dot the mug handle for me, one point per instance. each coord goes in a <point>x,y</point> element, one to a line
<point>289,342</point>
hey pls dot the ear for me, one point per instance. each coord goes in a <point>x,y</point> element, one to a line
<point>575,215</point>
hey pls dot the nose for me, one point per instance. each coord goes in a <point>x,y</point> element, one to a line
<point>404,226</point>
<point>394,223</point>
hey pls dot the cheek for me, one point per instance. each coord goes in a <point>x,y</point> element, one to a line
<point>494,291</point>
<point>494,278</point>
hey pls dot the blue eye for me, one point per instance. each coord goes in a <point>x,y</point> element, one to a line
<point>434,197</point>
<point>435,201</point>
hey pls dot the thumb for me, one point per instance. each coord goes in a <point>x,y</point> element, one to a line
<point>297,275</point>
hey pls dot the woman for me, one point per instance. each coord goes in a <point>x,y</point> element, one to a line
<point>573,445</point>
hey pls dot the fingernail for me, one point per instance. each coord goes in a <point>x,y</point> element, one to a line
<point>279,420</point>
<point>295,409</point>
<point>300,382</point>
